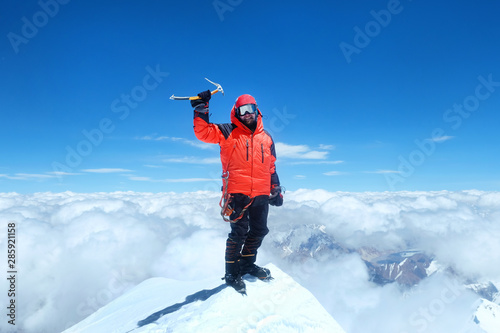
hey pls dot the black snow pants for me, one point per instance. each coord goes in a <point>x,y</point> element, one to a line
<point>247,233</point>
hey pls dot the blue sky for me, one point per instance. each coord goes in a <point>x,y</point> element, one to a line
<point>359,95</point>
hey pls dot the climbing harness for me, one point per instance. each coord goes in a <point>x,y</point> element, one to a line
<point>225,202</point>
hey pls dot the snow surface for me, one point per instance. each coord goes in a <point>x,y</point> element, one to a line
<point>280,305</point>
<point>433,268</point>
<point>487,316</point>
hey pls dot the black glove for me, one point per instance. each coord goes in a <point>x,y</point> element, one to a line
<point>204,98</point>
<point>276,198</point>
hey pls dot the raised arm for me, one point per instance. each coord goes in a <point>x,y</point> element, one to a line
<point>203,129</point>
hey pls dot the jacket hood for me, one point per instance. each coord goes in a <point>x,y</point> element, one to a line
<point>242,100</point>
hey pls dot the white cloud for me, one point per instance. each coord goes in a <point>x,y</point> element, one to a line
<point>38,176</point>
<point>153,166</point>
<point>284,150</point>
<point>142,179</point>
<point>62,173</point>
<point>333,173</point>
<point>190,180</point>
<point>192,160</point>
<point>193,143</point>
<point>316,162</point>
<point>442,138</point>
<point>105,243</point>
<point>326,147</point>
<point>28,176</point>
<point>174,180</point>
<point>107,170</point>
<point>383,171</point>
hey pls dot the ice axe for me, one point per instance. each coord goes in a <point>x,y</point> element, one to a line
<point>192,98</point>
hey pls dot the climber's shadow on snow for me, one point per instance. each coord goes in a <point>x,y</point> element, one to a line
<point>201,295</point>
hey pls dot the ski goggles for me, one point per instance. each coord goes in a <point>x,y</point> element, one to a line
<point>247,108</point>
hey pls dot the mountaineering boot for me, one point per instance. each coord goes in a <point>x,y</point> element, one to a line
<point>257,271</point>
<point>233,277</point>
<point>248,267</point>
<point>236,282</point>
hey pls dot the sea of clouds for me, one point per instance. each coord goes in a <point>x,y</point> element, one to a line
<point>76,252</point>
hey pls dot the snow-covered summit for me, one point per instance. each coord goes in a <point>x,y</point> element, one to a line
<point>487,316</point>
<point>161,305</point>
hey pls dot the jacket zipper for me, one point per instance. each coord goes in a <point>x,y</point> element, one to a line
<point>262,151</point>
<point>251,172</point>
<point>247,150</point>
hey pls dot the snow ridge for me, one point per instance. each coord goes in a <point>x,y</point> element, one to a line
<point>160,305</point>
<point>487,316</point>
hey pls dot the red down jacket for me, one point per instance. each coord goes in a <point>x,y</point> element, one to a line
<point>248,156</point>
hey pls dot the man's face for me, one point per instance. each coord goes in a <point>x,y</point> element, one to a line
<point>248,118</point>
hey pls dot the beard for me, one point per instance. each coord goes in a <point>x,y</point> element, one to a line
<point>251,123</point>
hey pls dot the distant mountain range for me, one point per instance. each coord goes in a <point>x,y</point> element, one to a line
<point>406,268</point>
